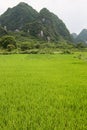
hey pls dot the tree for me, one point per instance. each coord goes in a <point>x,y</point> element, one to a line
<point>8,40</point>
<point>80,45</point>
<point>10,47</point>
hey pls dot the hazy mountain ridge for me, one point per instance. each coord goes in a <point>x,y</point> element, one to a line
<point>74,35</point>
<point>81,37</point>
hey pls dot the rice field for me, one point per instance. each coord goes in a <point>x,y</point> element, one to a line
<point>43,92</point>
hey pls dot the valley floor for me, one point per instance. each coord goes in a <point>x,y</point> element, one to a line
<point>43,92</point>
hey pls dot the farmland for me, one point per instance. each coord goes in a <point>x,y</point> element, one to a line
<point>43,92</point>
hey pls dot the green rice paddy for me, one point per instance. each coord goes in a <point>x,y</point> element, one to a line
<point>43,92</point>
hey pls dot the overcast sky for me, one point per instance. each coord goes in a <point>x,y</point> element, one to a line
<point>72,12</point>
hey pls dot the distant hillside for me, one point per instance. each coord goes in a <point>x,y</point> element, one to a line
<point>74,35</point>
<point>44,25</point>
<point>82,37</point>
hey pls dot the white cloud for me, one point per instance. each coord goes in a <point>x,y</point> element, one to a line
<point>72,12</point>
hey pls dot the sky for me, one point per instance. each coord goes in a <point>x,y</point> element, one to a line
<point>72,12</point>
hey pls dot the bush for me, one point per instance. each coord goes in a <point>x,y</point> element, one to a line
<point>33,51</point>
<point>8,41</point>
<point>66,52</point>
<point>80,45</point>
<point>24,47</point>
<point>10,47</point>
<point>27,46</point>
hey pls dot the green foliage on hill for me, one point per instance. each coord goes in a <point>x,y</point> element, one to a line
<point>16,17</point>
<point>43,25</point>
<point>54,25</point>
<point>34,32</point>
<point>48,27</point>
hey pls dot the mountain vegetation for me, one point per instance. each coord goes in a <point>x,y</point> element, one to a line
<point>48,27</point>
<point>16,17</point>
<point>45,25</point>
<point>41,31</point>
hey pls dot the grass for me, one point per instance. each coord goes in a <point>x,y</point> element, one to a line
<point>43,92</point>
